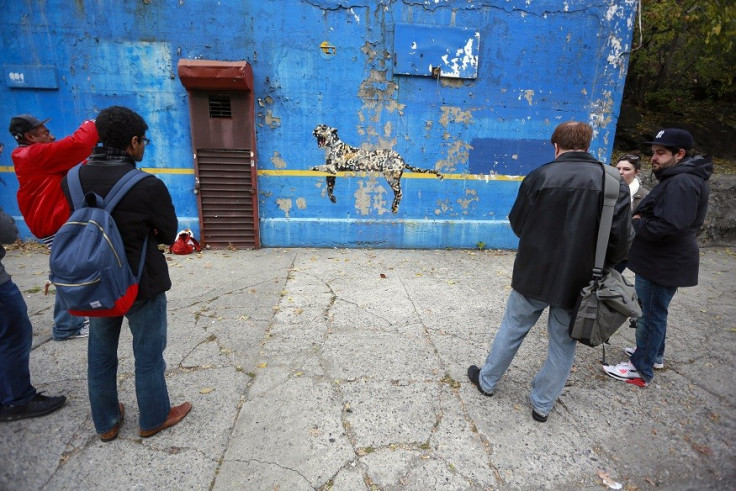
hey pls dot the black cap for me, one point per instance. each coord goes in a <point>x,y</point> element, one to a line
<point>22,124</point>
<point>673,137</point>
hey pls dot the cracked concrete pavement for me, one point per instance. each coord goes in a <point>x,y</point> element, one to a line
<point>345,369</point>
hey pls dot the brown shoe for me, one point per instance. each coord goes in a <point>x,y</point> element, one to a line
<point>109,436</point>
<point>175,415</point>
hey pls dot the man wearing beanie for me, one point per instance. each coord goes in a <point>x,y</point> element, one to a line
<point>665,254</point>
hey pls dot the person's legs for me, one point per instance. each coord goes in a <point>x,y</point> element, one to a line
<point>520,315</point>
<point>549,382</point>
<point>147,320</point>
<point>66,325</point>
<point>660,352</point>
<point>16,335</point>
<point>652,325</point>
<point>102,371</point>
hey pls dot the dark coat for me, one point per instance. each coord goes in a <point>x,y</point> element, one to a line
<point>147,209</point>
<point>556,216</point>
<point>665,249</point>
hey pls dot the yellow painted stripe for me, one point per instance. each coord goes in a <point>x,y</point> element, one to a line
<point>167,170</point>
<point>406,175</point>
<point>309,173</point>
<point>151,170</point>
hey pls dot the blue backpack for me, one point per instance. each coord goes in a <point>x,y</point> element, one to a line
<point>88,264</point>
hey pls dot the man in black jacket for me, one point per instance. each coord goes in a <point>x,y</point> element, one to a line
<point>555,216</point>
<point>665,254</point>
<point>146,210</point>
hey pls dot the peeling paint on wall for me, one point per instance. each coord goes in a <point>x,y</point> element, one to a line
<point>528,95</point>
<point>370,197</point>
<point>285,205</point>
<point>457,156</point>
<point>272,120</point>
<point>455,115</point>
<point>277,161</point>
<point>471,196</point>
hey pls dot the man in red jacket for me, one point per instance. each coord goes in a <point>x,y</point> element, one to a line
<point>41,163</point>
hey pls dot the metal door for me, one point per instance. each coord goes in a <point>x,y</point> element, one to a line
<point>222,119</point>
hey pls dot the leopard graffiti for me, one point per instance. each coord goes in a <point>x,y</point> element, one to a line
<point>342,157</point>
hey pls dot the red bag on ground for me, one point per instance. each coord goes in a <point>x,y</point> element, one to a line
<point>185,243</point>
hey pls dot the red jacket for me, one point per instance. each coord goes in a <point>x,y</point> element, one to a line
<point>40,167</point>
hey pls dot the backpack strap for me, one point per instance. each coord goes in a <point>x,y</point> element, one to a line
<point>121,188</point>
<point>611,180</point>
<point>75,187</point>
<point>143,260</point>
<point>117,192</point>
<point>611,183</point>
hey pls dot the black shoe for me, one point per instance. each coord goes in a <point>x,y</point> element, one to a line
<point>538,417</point>
<point>40,405</point>
<point>473,375</point>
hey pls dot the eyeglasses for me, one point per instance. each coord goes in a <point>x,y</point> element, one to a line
<point>144,140</point>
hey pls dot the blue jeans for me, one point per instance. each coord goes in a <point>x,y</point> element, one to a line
<point>147,322</point>
<point>65,324</point>
<point>651,328</point>
<point>16,336</point>
<point>521,314</point>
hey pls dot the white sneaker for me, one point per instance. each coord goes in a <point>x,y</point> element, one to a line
<point>83,332</point>
<point>622,371</point>
<point>630,351</point>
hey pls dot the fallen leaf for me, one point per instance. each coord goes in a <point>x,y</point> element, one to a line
<point>383,275</point>
<point>606,478</point>
<point>263,365</point>
<point>705,450</point>
<point>207,390</point>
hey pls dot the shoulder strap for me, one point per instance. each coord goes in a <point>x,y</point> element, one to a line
<point>75,187</point>
<point>117,192</point>
<point>122,187</point>
<point>611,180</point>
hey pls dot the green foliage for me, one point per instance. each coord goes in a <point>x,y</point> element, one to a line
<point>685,50</point>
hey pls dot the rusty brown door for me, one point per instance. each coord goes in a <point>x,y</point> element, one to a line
<point>222,120</point>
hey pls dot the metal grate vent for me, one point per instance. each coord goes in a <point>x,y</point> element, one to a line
<point>220,106</point>
<point>227,197</point>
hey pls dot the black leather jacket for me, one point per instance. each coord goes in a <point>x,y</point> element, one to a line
<point>556,216</point>
<point>665,249</point>
<point>147,209</point>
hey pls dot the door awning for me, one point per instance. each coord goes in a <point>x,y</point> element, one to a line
<point>215,75</point>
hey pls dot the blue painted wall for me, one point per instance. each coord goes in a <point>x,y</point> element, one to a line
<point>331,62</point>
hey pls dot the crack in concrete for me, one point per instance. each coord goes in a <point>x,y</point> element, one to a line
<point>266,462</point>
